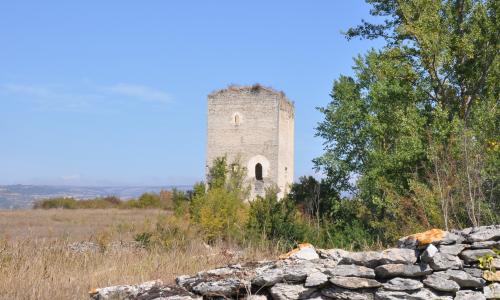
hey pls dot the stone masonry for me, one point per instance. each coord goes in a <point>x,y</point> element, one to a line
<point>253,125</point>
<point>434,265</point>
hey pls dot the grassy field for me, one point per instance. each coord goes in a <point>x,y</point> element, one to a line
<point>43,253</point>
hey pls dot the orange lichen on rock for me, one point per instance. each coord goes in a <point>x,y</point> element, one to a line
<point>428,237</point>
<point>93,291</point>
<point>296,250</point>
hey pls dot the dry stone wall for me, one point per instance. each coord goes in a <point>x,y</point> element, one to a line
<point>432,265</point>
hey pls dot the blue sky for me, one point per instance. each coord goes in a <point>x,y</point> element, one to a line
<point>114,92</point>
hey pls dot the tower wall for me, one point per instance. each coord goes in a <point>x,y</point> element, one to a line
<point>253,125</point>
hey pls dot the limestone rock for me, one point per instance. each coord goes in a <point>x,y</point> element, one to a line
<point>354,282</point>
<point>351,270</point>
<point>464,279</point>
<point>484,233</point>
<point>335,255</point>
<point>398,256</point>
<point>452,249</point>
<point>443,261</point>
<point>422,294</point>
<point>222,288</point>
<point>297,271</point>
<point>221,282</point>
<point>304,251</point>
<point>316,279</point>
<point>375,258</point>
<point>433,236</point>
<point>429,253</point>
<point>347,294</point>
<point>398,295</point>
<point>492,291</point>
<point>366,258</point>
<point>426,294</point>
<point>251,297</point>
<point>397,270</point>
<point>391,295</point>
<point>469,295</point>
<point>441,284</point>
<point>495,263</point>
<point>284,291</point>
<point>485,245</point>
<point>472,256</point>
<point>474,272</point>
<point>402,284</point>
<point>267,276</point>
<point>146,290</point>
<point>492,276</point>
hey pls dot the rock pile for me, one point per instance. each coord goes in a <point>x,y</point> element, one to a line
<point>436,264</point>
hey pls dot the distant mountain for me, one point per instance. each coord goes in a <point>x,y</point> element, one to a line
<point>23,196</point>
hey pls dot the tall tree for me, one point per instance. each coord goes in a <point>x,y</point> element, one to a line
<point>419,118</point>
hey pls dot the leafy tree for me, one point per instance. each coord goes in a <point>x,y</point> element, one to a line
<point>419,116</point>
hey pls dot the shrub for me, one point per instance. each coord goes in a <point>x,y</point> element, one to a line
<point>221,215</point>
<point>149,200</point>
<point>61,202</point>
<point>276,220</point>
<point>180,203</point>
<point>167,233</point>
<point>221,212</point>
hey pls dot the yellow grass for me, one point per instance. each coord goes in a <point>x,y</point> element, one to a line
<point>36,261</point>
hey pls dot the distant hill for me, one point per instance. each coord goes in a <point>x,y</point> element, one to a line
<point>23,196</point>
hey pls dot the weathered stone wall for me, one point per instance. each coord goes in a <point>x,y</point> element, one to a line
<point>432,265</point>
<point>286,146</point>
<point>254,125</point>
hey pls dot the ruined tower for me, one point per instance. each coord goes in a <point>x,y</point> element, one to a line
<point>254,124</point>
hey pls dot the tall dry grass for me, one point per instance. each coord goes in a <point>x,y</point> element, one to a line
<point>37,262</point>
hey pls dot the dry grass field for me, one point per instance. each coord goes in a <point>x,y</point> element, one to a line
<point>39,259</point>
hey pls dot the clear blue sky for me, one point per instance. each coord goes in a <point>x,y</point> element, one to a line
<point>114,92</point>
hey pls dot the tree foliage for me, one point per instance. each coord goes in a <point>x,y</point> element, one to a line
<point>419,119</point>
<point>220,210</point>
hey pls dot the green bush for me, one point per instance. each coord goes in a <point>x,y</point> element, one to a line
<point>167,233</point>
<point>62,202</point>
<point>180,202</point>
<point>276,220</point>
<point>221,215</point>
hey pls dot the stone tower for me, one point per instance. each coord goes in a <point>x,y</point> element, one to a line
<point>254,124</point>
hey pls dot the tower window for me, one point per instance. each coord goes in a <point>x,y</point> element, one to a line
<point>258,171</point>
<point>236,119</point>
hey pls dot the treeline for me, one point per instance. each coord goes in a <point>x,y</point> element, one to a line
<point>163,200</point>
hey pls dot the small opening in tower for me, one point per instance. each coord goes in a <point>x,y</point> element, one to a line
<point>236,119</point>
<point>258,171</point>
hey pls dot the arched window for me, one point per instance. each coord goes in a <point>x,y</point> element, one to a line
<point>258,171</point>
<point>236,119</point>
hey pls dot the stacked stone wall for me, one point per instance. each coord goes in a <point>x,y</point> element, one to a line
<point>439,265</point>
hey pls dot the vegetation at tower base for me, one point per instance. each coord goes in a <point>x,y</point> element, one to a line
<point>413,135</point>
